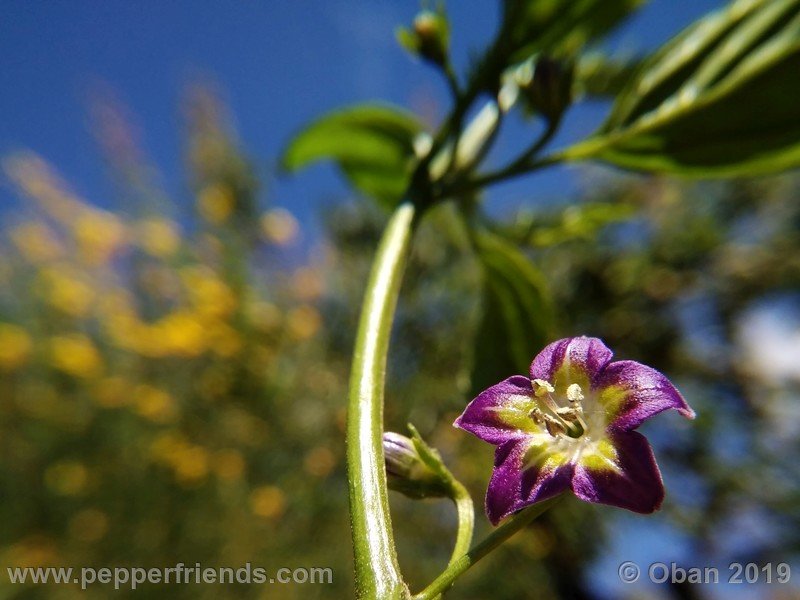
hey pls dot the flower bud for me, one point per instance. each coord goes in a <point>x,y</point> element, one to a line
<point>549,90</point>
<point>429,37</point>
<point>406,470</point>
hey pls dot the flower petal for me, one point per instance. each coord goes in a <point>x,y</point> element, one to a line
<point>631,393</point>
<point>625,474</point>
<point>525,471</point>
<point>501,412</point>
<point>571,360</point>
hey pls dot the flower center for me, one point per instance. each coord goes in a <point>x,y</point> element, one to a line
<point>558,420</point>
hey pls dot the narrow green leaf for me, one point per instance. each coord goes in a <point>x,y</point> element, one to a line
<point>560,27</point>
<point>599,76</point>
<point>581,222</point>
<point>720,100</point>
<point>672,65</point>
<point>517,314</point>
<point>373,145</point>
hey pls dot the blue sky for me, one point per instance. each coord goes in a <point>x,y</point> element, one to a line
<point>279,63</point>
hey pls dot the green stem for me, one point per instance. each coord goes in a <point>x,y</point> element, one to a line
<point>530,153</point>
<point>376,569</point>
<point>459,566</point>
<point>466,520</point>
<point>525,163</point>
<point>452,80</point>
<point>483,181</point>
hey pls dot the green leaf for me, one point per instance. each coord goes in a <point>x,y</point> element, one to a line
<point>581,222</point>
<point>517,315</point>
<point>373,145</point>
<point>719,100</point>
<point>599,76</point>
<point>560,27</point>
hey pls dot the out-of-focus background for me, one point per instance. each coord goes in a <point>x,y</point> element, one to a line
<point>176,316</point>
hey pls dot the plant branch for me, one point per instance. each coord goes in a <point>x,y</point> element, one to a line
<point>531,153</point>
<point>525,163</point>
<point>452,80</point>
<point>491,178</point>
<point>459,566</point>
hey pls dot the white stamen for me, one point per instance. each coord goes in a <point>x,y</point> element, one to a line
<point>582,423</point>
<point>559,421</point>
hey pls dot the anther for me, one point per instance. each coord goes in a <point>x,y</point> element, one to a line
<point>554,428</point>
<point>537,416</point>
<point>568,414</point>
<point>574,393</point>
<point>542,387</point>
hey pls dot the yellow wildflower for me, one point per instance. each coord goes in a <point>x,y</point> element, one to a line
<point>159,237</point>
<point>99,235</point>
<point>209,295</point>
<point>154,404</point>
<point>268,501</point>
<point>32,551</point>
<point>216,203</point>
<point>66,290</point>
<point>15,346</point>
<point>76,355</point>
<point>36,242</point>
<point>190,464</point>
<point>181,334</point>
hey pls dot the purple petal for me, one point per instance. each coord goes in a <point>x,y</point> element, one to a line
<point>631,480</point>
<point>571,360</point>
<point>501,412</point>
<point>524,473</point>
<point>631,393</point>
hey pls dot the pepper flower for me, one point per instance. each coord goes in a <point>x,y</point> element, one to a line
<point>571,426</point>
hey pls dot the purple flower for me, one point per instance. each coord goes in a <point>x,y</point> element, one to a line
<point>412,467</point>
<point>571,426</point>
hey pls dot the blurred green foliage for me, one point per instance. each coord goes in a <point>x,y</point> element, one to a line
<point>170,395</point>
<point>164,393</point>
<point>173,382</point>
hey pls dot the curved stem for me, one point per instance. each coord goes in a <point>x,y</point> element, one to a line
<point>530,153</point>
<point>466,520</point>
<point>459,566</point>
<point>452,81</point>
<point>376,569</point>
<point>488,179</point>
<point>525,161</point>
